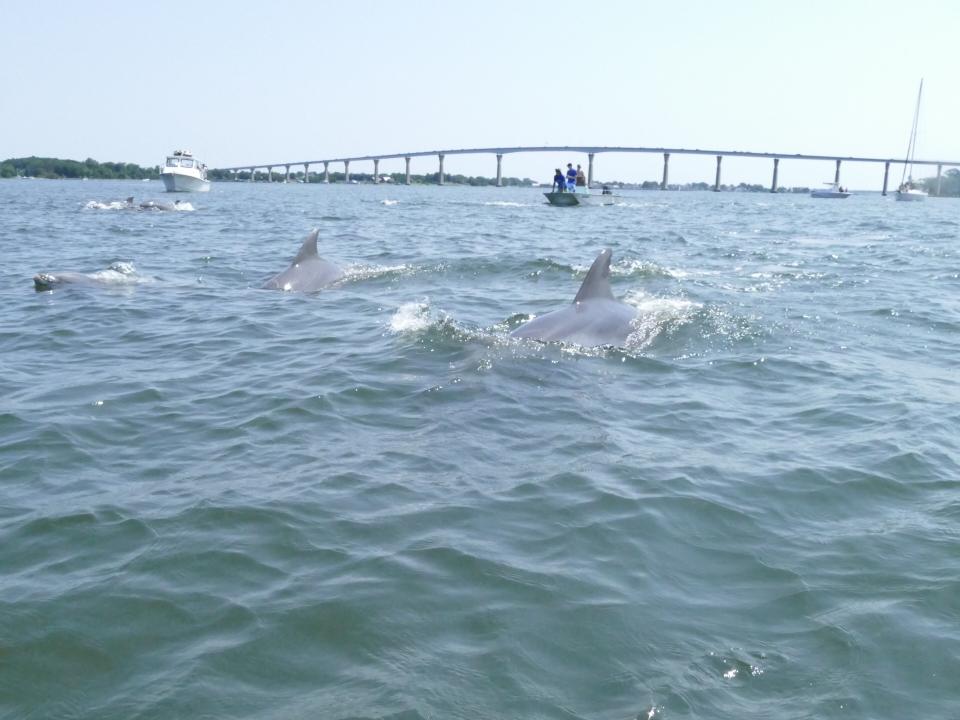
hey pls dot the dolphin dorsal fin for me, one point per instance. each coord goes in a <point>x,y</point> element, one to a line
<point>309,247</point>
<point>597,283</point>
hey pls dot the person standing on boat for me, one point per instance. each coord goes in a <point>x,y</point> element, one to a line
<point>571,177</point>
<point>581,178</point>
<point>558,181</point>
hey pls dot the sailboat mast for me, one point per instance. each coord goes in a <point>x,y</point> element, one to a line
<point>912,145</point>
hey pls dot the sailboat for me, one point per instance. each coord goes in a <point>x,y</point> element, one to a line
<point>907,191</point>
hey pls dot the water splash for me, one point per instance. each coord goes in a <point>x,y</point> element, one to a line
<point>411,317</point>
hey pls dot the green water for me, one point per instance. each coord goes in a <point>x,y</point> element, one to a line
<point>223,502</point>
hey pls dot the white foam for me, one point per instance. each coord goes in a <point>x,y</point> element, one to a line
<point>411,317</point>
<point>389,202</point>
<point>654,315</point>
<point>115,205</point>
<point>125,268</point>
<point>505,203</point>
<point>366,272</point>
<point>183,206</point>
<point>121,273</point>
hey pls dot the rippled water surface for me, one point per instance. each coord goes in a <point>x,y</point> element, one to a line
<point>218,501</point>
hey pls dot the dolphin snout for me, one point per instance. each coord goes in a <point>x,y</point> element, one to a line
<point>42,281</point>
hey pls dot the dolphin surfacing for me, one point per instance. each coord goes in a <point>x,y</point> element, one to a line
<point>595,318</point>
<point>118,274</point>
<point>308,272</point>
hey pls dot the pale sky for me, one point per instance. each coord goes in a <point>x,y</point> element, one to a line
<point>241,82</point>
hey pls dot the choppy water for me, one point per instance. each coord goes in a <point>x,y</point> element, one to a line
<point>223,502</point>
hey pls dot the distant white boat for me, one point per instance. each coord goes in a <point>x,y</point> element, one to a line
<point>907,191</point>
<point>832,191</point>
<point>184,173</point>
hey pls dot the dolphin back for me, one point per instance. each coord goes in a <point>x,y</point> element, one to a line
<point>307,272</point>
<point>597,283</point>
<point>594,318</point>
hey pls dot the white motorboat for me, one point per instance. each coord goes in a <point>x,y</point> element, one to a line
<point>907,191</point>
<point>184,173</point>
<point>832,191</point>
<point>581,196</point>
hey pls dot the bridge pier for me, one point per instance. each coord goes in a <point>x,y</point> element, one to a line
<point>441,168</point>
<point>590,169</point>
<point>270,173</point>
<point>286,176</point>
<point>886,176</point>
<point>326,172</point>
<point>776,168</point>
<point>499,169</point>
<point>939,178</point>
<point>306,172</point>
<point>716,183</point>
<point>346,171</point>
<point>836,174</point>
<point>253,171</point>
<point>376,171</point>
<point>407,161</point>
<point>666,171</point>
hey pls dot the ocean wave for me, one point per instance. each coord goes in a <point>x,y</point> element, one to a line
<point>624,267</point>
<point>656,315</point>
<point>362,271</point>
<point>129,204</point>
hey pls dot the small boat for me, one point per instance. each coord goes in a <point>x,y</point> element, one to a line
<point>907,191</point>
<point>911,194</point>
<point>581,196</point>
<point>832,191</point>
<point>184,173</point>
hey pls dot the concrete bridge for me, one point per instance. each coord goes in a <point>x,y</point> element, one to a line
<point>591,153</point>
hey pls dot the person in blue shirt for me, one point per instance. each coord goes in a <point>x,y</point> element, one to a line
<point>558,181</point>
<point>571,177</point>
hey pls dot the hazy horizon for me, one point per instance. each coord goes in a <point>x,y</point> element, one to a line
<point>240,84</point>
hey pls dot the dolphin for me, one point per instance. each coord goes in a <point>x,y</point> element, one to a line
<point>594,318</point>
<point>308,272</point>
<point>119,273</point>
<point>157,204</point>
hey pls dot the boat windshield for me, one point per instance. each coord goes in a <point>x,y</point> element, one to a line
<point>186,162</point>
<point>173,162</point>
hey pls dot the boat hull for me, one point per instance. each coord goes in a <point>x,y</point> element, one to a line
<point>177,182</point>
<point>911,196</point>
<point>829,194</point>
<point>572,199</point>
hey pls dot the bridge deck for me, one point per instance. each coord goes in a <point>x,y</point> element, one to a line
<point>595,150</point>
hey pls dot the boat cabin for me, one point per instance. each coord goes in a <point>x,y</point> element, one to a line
<point>181,158</point>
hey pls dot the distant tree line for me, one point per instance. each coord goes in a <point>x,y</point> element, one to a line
<point>740,187</point>
<point>339,177</point>
<point>949,184</point>
<point>55,168</point>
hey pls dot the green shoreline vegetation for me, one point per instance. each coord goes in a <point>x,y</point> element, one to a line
<point>57,169</point>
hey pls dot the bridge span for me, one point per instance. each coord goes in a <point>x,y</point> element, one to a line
<point>591,152</point>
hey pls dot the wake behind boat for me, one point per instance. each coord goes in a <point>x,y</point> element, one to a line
<point>833,191</point>
<point>184,173</point>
